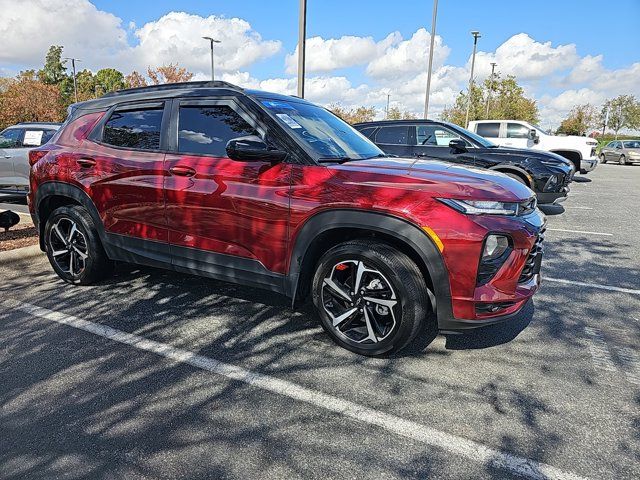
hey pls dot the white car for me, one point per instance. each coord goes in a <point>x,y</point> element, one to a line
<point>15,143</point>
<point>581,151</point>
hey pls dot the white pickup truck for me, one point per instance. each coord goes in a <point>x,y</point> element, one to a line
<point>581,151</point>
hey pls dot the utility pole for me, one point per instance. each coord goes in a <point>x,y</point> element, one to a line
<point>302,41</point>
<point>212,41</point>
<point>476,35</point>
<point>606,119</point>
<point>491,84</point>
<point>433,36</point>
<point>75,83</point>
<point>387,112</point>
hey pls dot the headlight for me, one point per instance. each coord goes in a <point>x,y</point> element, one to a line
<point>482,207</point>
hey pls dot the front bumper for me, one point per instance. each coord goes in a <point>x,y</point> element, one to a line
<point>588,164</point>
<point>548,198</point>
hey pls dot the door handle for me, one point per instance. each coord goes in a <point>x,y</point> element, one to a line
<point>7,156</point>
<point>182,171</point>
<point>86,162</point>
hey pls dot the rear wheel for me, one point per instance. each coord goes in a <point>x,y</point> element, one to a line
<point>371,298</point>
<point>603,158</point>
<point>73,246</point>
<point>622,160</point>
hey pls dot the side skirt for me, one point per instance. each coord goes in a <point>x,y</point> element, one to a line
<point>227,268</point>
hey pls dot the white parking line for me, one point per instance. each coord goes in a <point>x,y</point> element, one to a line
<point>581,208</point>
<point>592,285</point>
<point>579,231</point>
<point>451,443</point>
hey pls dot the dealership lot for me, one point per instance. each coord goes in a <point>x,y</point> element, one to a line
<point>556,392</point>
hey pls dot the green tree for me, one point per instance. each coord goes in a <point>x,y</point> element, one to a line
<point>505,98</point>
<point>395,113</point>
<point>353,115</point>
<point>579,121</point>
<point>54,70</point>
<point>621,112</point>
<point>110,80</point>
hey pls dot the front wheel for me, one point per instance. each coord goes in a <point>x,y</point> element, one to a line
<point>73,246</point>
<point>622,160</point>
<point>370,297</point>
<point>603,158</point>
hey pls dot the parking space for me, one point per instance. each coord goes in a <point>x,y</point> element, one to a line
<point>228,381</point>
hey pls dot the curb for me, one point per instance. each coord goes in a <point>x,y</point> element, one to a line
<point>20,254</point>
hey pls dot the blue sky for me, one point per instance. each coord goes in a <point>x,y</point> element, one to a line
<point>562,52</point>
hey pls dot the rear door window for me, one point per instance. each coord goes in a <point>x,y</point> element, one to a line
<point>398,135</point>
<point>488,130</point>
<point>368,132</point>
<point>137,128</point>
<point>206,129</point>
<point>435,136</point>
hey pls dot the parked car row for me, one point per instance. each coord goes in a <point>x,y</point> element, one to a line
<point>275,192</point>
<point>547,174</point>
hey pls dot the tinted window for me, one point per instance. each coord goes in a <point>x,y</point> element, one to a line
<point>515,130</point>
<point>435,135</point>
<point>610,144</point>
<point>134,129</point>
<point>631,144</point>
<point>207,129</point>
<point>367,132</point>
<point>47,136</point>
<point>393,135</point>
<point>10,138</point>
<point>491,130</point>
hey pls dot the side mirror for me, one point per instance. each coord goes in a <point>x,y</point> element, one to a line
<point>533,135</point>
<point>253,149</point>
<point>458,145</point>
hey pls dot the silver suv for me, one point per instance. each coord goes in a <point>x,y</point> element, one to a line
<point>15,143</point>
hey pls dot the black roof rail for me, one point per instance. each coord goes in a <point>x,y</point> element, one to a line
<point>174,86</point>
<point>39,123</point>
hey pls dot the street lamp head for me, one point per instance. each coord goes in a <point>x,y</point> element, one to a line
<point>476,34</point>
<point>213,40</point>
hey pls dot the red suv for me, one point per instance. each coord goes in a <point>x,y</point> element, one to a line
<point>275,192</point>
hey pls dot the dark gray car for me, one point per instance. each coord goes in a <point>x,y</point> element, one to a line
<point>15,143</point>
<point>621,151</point>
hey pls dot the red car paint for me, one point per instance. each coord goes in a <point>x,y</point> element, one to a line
<point>256,210</point>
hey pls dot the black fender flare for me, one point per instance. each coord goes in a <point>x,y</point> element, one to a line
<point>502,168</point>
<point>410,234</point>
<point>61,189</point>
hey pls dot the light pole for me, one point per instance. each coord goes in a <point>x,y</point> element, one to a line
<point>212,41</point>
<point>75,83</point>
<point>493,67</point>
<point>302,41</point>
<point>387,112</point>
<point>433,36</point>
<point>476,35</point>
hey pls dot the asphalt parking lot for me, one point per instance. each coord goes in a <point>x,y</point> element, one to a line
<point>159,375</point>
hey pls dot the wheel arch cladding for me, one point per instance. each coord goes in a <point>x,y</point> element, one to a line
<point>326,229</point>
<point>51,195</point>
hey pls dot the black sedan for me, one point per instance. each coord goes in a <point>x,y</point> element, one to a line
<point>547,174</point>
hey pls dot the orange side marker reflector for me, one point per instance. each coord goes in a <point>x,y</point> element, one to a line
<point>434,237</point>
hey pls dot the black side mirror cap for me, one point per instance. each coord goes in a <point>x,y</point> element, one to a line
<point>458,145</point>
<point>252,148</point>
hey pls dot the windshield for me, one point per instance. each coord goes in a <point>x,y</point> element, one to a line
<point>325,135</point>
<point>631,144</point>
<point>476,138</point>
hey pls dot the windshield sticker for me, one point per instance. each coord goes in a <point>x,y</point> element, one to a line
<point>33,137</point>
<point>288,120</point>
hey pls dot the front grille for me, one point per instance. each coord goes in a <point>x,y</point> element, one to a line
<point>534,259</point>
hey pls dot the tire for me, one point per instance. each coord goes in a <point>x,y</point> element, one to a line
<point>390,307</point>
<point>517,177</point>
<point>603,158</point>
<point>76,254</point>
<point>622,160</point>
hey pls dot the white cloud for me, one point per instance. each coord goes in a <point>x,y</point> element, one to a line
<point>324,55</point>
<point>177,38</point>
<point>408,57</point>
<point>29,27</point>
<point>526,58</point>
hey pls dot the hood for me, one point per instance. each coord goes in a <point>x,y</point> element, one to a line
<point>547,157</point>
<point>439,178</point>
